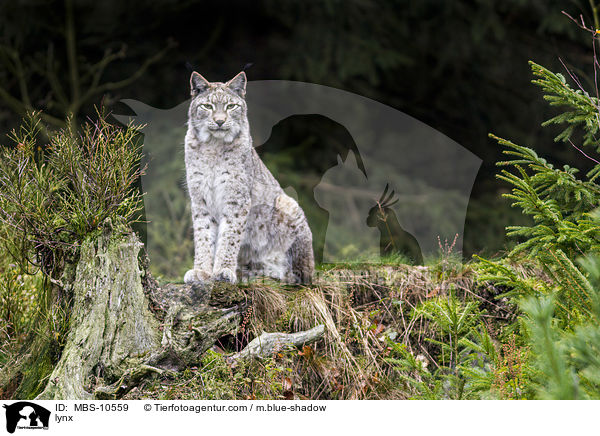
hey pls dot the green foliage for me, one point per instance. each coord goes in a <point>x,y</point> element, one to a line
<point>581,109</point>
<point>453,320</point>
<point>413,373</point>
<point>560,295</point>
<point>568,358</point>
<point>18,300</point>
<point>211,380</point>
<point>55,190</point>
<point>551,350</point>
<point>481,357</point>
<point>557,201</point>
<point>464,365</point>
<point>52,195</point>
<point>522,279</point>
<point>565,225</point>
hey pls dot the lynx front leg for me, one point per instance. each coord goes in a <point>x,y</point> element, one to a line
<point>205,233</point>
<point>229,239</point>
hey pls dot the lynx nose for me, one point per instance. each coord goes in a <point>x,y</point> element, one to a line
<point>220,121</point>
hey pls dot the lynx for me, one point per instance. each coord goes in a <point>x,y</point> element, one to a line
<point>244,224</point>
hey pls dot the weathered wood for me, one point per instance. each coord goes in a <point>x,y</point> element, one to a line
<point>125,328</point>
<point>130,379</point>
<point>268,343</point>
<point>111,324</point>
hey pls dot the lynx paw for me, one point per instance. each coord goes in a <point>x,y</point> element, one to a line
<point>224,275</point>
<point>195,276</point>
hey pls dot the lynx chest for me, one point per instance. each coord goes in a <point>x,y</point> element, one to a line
<point>216,177</point>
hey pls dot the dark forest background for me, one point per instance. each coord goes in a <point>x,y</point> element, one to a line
<point>459,66</point>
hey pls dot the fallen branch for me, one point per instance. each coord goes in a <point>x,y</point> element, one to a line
<point>268,343</point>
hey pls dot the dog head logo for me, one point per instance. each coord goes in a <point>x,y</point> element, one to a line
<point>24,414</point>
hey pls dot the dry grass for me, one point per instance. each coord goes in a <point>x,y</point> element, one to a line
<point>359,308</point>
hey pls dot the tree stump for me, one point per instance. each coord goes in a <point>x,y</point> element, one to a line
<point>124,327</point>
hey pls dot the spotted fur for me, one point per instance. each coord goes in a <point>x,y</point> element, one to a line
<point>244,224</point>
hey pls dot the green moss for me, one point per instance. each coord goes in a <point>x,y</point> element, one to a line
<point>35,377</point>
<point>36,367</point>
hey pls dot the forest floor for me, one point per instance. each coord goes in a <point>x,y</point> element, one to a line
<point>384,337</point>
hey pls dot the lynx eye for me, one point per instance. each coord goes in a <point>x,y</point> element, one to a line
<point>206,106</point>
<point>231,106</point>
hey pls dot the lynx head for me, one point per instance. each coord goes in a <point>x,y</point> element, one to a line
<point>218,110</point>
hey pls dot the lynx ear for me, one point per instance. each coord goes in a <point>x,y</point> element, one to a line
<point>198,84</point>
<point>238,84</point>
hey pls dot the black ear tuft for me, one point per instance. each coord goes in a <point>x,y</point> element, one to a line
<point>238,84</point>
<point>198,84</point>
